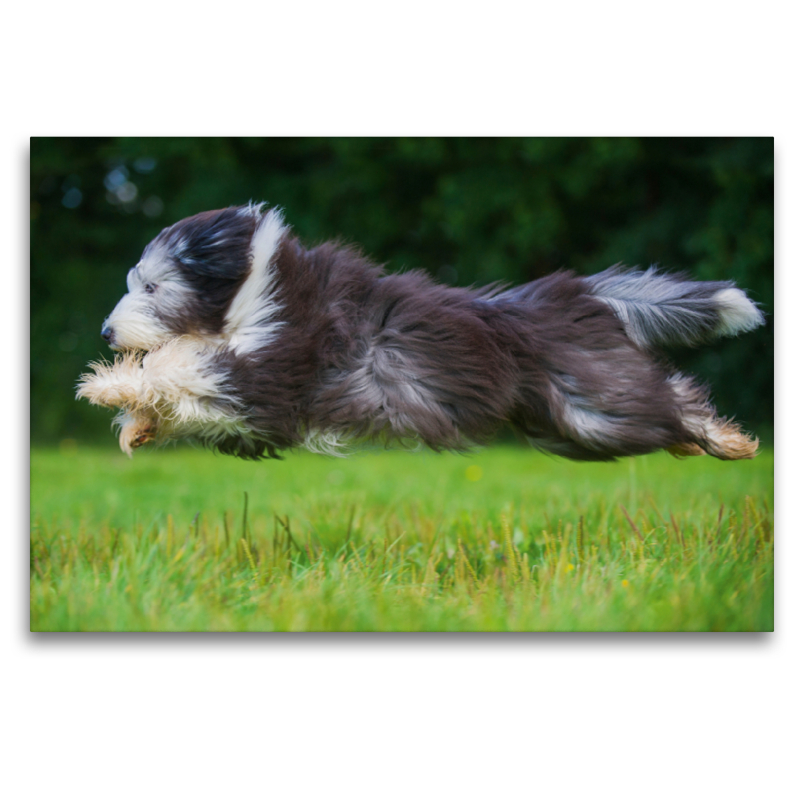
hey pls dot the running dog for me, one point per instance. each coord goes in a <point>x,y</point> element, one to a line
<point>234,334</point>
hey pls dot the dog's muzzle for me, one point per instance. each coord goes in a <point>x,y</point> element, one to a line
<point>108,334</point>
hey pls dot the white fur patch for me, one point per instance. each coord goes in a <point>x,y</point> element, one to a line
<point>250,320</point>
<point>329,443</point>
<point>591,427</point>
<point>180,372</point>
<point>737,313</point>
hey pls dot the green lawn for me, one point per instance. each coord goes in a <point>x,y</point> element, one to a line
<point>506,539</point>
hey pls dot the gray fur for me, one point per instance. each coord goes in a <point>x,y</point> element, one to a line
<point>660,309</point>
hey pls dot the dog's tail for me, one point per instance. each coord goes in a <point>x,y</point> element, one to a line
<point>658,308</point>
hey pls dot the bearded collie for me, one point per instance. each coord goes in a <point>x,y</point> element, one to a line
<point>234,334</point>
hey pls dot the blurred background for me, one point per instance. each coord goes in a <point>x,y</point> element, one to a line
<point>466,210</point>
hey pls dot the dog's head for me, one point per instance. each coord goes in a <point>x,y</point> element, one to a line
<point>206,275</point>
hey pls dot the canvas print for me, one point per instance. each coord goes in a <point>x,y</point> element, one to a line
<point>361,384</point>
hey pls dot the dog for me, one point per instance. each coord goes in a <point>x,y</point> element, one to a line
<point>234,334</point>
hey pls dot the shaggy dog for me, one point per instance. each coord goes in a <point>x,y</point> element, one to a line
<point>234,334</point>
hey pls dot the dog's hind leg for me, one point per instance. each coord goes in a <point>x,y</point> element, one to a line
<point>686,425</point>
<point>717,436</point>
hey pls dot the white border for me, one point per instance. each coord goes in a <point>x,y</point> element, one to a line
<point>558,716</point>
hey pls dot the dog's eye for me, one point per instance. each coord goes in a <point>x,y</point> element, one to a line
<point>149,288</point>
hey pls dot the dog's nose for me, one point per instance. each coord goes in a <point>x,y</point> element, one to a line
<point>107,334</point>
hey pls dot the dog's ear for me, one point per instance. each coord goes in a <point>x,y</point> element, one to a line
<point>214,244</point>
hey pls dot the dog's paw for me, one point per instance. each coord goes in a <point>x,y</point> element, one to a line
<point>136,432</point>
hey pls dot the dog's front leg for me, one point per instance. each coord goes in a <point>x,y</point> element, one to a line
<point>162,378</point>
<point>173,392</point>
<point>180,378</point>
<point>117,385</point>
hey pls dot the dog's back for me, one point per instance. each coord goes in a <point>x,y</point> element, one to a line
<point>567,361</point>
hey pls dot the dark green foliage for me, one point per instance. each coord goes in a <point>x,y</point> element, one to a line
<point>466,210</point>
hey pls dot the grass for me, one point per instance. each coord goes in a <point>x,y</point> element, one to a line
<point>505,540</point>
